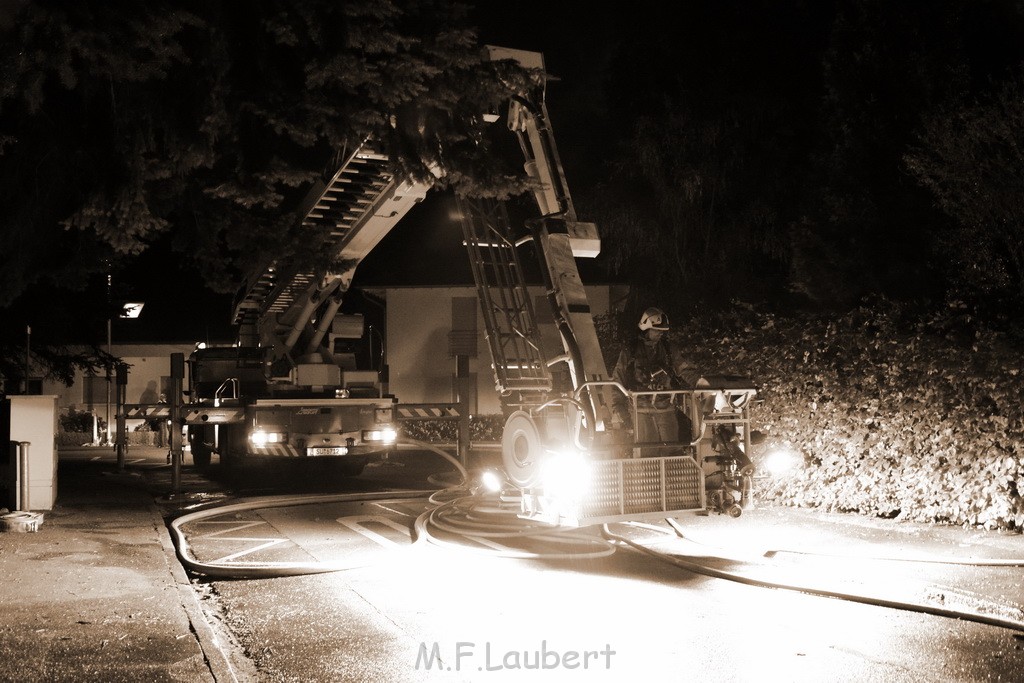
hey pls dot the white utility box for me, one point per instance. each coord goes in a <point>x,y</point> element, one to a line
<point>317,375</point>
<point>34,419</point>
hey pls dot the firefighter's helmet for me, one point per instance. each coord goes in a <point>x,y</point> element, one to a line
<point>654,319</point>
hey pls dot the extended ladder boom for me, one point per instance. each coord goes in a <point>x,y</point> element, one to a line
<point>521,369</point>
<point>345,215</point>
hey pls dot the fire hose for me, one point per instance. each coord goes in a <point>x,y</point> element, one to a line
<point>456,513</point>
<point>459,514</point>
<point>808,589</point>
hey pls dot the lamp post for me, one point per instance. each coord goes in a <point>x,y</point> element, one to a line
<point>28,356</point>
<point>130,309</point>
<point>110,352</point>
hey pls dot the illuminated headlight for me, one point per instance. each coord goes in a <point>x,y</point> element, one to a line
<point>261,437</point>
<point>780,460</point>
<point>565,475</point>
<point>492,481</point>
<point>384,435</point>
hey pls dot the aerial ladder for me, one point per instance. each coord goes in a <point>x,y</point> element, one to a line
<point>292,387</point>
<point>285,391</point>
<point>558,448</point>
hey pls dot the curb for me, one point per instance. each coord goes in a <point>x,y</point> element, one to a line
<point>218,660</point>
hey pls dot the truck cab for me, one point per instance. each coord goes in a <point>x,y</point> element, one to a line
<point>246,411</point>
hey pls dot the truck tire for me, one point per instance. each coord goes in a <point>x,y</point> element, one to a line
<point>521,450</point>
<point>201,455</point>
<point>201,445</point>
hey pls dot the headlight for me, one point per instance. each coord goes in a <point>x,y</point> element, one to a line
<point>384,435</point>
<point>492,481</point>
<point>262,437</point>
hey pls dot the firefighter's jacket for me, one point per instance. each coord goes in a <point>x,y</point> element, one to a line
<point>652,366</point>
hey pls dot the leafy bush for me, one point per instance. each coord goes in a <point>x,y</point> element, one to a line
<point>482,428</point>
<point>75,421</point>
<point>897,413</point>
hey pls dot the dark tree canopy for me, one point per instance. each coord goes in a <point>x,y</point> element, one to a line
<point>807,151</point>
<point>714,123</point>
<point>971,158</point>
<point>762,149</point>
<point>124,123</point>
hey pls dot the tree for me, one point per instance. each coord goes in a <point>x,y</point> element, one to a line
<point>714,119</point>
<point>704,221</point>
<point>866,226</point>
<point>971,159</point>
<point>123,123</point>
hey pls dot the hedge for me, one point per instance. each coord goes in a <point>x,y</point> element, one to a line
<point>897,413</point>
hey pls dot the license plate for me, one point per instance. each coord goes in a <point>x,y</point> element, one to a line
<point>327,450</point>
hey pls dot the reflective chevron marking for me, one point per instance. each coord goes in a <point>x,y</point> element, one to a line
<point>210,415</point>
<point>427,412</point>
<point>147,412</point>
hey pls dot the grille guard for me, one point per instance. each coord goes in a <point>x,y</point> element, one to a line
<point>625,490</point>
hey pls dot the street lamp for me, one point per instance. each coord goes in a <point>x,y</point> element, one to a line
<point>128,310</point>
<point>110,352</point>
<point>131,309</point>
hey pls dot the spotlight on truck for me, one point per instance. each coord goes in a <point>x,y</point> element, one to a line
<point>491,481</point>
<point>565,475</point>
<point>779,461</point>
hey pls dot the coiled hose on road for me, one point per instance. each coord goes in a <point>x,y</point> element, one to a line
<point>485,520</point>
<point>457,513</point>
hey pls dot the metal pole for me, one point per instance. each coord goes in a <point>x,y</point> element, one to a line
<point>23,479</point>
<point>28,355</point>
<point>462,382</point>
<point>110,347</point>
<point>177,374</point>
<point>121,438</point>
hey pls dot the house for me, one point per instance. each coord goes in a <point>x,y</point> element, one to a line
<point>149,370</point>
<point>426,324</point>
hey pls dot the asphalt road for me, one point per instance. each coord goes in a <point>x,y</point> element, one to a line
<point>401,609</point>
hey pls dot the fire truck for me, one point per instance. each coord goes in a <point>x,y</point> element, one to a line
<point>289,389</point>
<point>296,384</point>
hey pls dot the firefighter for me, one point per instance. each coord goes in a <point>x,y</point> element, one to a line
<point>653,363</point>
<point>162,426</point>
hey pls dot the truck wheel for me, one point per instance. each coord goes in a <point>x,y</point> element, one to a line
<point>201,456</point>
<point>201,446</point>
<point>521,450</point>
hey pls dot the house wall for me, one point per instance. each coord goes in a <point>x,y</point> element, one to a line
<point>148,373</point>
<point>419,320</point>
<point>421,369</point>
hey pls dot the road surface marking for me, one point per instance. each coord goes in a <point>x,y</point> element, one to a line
<point>269,544</point>
<point>355,523</point>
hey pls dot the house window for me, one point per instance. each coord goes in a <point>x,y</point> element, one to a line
<point>462,340</point>
<point>94,390</point>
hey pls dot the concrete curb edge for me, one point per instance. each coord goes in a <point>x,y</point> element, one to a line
<point>218,661</point>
